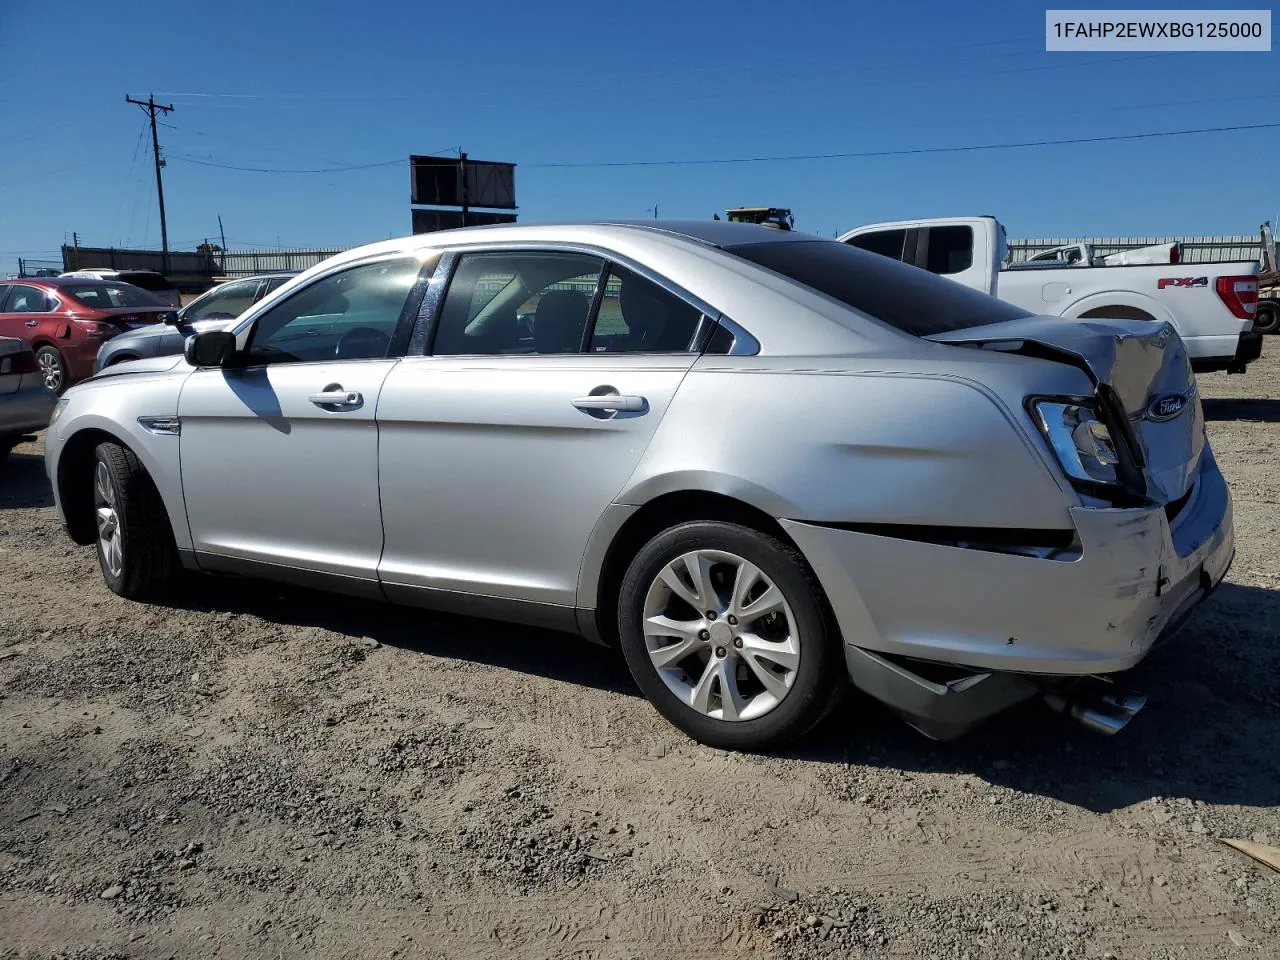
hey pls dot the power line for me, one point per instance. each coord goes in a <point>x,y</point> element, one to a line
<point>230,166</point>
<point>137,147</point>
<point>906,152</point>
<point>706,161</point>
<point>342,169</point>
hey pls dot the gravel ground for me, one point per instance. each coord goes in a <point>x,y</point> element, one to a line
<point>256,771</point>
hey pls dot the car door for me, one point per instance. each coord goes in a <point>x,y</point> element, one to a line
<point>25,312</point>
<point>546,374</point>
<point>279,450</point>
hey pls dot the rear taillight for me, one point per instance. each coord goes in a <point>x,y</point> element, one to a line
<point>1240,294</point>
<point>96,328</point>
<point>15,363</point>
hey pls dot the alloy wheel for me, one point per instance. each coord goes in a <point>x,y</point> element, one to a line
<point>110,535</point>
<point>50,370</point>
<point>721,635</point>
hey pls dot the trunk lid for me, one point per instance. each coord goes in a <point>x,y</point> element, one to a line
<point>1142,378</point>
<point>130,318</point>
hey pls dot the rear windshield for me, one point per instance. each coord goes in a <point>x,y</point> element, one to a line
<point>905,297</point>
<point>147,281</point>
<point>104,296</point>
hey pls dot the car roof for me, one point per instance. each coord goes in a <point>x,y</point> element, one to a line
<point>78,281</point>
<point>719,234</point>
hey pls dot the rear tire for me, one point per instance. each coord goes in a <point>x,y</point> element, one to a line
<point>782,671</point>
<point>53,369</point>
<point>1267,318</point>
<point>135,545</point>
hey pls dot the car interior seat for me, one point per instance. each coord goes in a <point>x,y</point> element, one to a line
<point>559,321</point>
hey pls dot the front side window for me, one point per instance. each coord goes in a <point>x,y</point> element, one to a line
<point>25,299</point>
<point>350,315</point>
<point>950,249</point>
<point>887,243</point>
<point>638,316</point>
<point>517,303</point>
<point>109,295</point>
<point>225,303</point>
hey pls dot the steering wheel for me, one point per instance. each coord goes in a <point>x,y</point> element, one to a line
<point>362,343</point>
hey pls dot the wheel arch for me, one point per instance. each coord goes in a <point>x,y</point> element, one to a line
<point>74,479</point>
<point>1130,305</point>
<point>601,579</point>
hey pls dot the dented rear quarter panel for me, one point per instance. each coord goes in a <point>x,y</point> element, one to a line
<point>942,439</point>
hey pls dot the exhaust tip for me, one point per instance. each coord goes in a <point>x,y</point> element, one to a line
<point>1108,714</point>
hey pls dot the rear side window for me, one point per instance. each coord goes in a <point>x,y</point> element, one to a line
<point>638,316</point>
<point>912,300</point>
<point>109,294</point>
<point>887,243</point>
<point>517,302</point>
<point>950,249</point>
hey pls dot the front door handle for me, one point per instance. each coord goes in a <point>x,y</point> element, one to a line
<point>611,402</point>
<point>32,323</point>
<point>336,398</point>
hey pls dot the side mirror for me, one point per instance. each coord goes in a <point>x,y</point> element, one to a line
<point>213,348</point>
<point>173,319</point>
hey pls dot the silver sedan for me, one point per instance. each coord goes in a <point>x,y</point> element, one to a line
<point>770,467</point>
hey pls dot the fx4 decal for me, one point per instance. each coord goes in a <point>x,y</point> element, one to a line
<point>1181,282</point>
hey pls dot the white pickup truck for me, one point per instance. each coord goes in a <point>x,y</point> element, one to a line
<point>1211,305</point>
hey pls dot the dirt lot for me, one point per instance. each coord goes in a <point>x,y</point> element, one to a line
<point>261,772</point>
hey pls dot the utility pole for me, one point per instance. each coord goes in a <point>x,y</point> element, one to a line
<point>462,172</point>
<point>75,244</point>
<point>150,106</point>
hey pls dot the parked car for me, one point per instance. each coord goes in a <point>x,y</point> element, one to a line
<point>769,466</point>
<point>1210,305</point>
<point>25,403</point>
<point>66,319</point>
<point>212,310</point>
<point>158,285</point>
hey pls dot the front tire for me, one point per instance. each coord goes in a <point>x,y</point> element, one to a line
<point>135,546</point>
<point>53,369</point>
<point>727,633</point>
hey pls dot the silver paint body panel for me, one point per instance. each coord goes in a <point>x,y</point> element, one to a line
<point>474,484</point>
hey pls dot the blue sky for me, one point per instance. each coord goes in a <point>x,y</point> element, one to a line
<point>289,85</point>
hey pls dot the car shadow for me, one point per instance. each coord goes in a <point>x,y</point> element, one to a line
<point>1209,731</point>
<point>1257,409</point>
<point>538,652</point>
<point>23,484</point>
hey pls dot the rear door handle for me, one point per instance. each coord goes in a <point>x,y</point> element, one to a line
<point>32,323</point>
<point>336,398</point>
<point>611,401</point>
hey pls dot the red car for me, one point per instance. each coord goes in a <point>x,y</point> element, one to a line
<point>66,320</point>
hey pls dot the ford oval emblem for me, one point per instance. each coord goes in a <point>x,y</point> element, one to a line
<point>1166,407</point>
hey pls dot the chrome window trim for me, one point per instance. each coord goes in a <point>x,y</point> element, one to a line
<point>744,342</point>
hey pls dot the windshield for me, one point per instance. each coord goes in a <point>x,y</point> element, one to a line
<point>908,298</point>
<point>105,296</point>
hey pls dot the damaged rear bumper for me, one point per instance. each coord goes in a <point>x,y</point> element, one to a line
<point>948,636</point>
